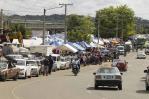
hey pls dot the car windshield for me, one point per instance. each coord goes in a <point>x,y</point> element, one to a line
<point>20,62</point>
<point>3,65</point>
<point>115,60</point>
<point>16,56</point>
<point>120,48</point>
<point>63,59</point>
<point>140,52</point>
<point>32,63</point>
<point>106,70</point>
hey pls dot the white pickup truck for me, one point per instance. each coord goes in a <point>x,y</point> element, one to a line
<point>44,49</point>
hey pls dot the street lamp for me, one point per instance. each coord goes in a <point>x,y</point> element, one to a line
<point>44,15</point>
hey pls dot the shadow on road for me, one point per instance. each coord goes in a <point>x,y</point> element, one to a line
<point>142,92</point>
<point>103,88</point>
<point>69,75</point>
<point>143,77</point>
<point>143,80</point>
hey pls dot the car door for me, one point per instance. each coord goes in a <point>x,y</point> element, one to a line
<point>28,69</point>
<point>147,77</point>
<point>10,72</point>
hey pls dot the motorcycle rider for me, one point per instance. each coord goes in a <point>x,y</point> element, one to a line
<point>76,62</point>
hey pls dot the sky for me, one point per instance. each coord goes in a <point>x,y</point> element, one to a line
<point>81,7</point>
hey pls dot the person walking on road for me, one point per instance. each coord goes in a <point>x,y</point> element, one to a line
<point>46,66</point>
<point>50,64</point>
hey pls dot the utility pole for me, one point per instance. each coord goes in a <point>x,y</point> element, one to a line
<point>98,25</point>
<point>44,15</point>
<point>2,21</point>
<point>65,40</point>
<point>25,22</point>
<point>117,26</point>
<point>122,35</point>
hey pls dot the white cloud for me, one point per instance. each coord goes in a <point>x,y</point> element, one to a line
<point>85,7</point>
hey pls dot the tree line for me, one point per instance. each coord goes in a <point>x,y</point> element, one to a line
<point>110,22</point>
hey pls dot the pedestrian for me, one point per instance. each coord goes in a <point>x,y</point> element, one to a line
<point>46,66</point>
<point>50,64</point>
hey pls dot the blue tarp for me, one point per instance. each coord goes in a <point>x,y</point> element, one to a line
<point>79,47</point>
<point>87,45</point>
<point>55,43</point>
<point>84,44</point>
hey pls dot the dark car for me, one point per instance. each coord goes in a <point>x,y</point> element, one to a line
<point>108,76</point>
<point>8,71</point>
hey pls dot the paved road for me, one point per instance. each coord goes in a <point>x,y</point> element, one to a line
<point>63,85</point>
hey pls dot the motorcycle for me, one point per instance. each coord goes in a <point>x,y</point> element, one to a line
<point>75,69</point>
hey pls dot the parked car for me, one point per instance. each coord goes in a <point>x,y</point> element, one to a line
<point>108,76</point>
<point>8,71</point>
<point>141,55</point>
<point>64,63</point>
<point>34,67</point>
<point>120,64</point>
<point>56,65</point>
<point>15,56</point>
<point>147,79</point>
<point>25,69</point>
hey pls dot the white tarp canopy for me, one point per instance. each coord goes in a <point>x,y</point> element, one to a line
<point>96,45</point>
<point>100,41</point>
<point>67,47</point>
<point>128,42</point>
<point>32,42</point>
<point>93,44</point>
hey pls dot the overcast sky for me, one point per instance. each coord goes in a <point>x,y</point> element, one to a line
<point>83,7</point>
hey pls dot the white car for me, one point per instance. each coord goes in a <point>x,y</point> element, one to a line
<point>56,65</point>
<point>25,70</point>
<point>15,56</point>
<point>141,55</point>
<point>64,63</point>
<point>108,76</point>
<point>35,68</point>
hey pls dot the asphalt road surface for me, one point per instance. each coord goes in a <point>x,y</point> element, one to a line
<point>63,85</point>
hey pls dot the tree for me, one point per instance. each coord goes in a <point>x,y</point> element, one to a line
<point>21,28</point>
<point>80,28</point>
<point>114,20</point>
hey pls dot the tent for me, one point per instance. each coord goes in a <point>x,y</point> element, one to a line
<point>79,47</point>
<point>93,44</point>
<point>100,41</point>
<point>56,43</point>
<point>67,47</point>
<point>84,44</point>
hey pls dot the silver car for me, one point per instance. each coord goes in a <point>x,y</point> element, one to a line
<point>141,55</point>
<point>108,76</point>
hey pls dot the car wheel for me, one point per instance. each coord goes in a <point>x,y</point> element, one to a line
<point>4,77</point>
<point>96,86</point>
<point>37,75</point>
<point>16,77</point>
<point>120,86</point>
<point>147,88</point>
<point>25,76</point>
